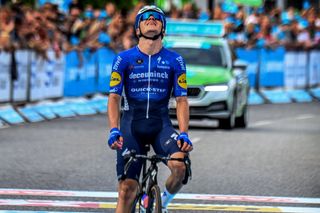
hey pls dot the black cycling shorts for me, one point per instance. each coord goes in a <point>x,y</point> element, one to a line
<point>137,131</point>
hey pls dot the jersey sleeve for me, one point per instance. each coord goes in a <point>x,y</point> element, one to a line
<point>117,74</point>
<point>180,77</point>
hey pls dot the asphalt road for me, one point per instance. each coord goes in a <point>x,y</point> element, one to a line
<point>277,155</point>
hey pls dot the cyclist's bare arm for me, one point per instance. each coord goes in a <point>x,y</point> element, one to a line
<point>183,113</point>
<point>113,116</point>
<point>114,110</point>
<point>183,119</point>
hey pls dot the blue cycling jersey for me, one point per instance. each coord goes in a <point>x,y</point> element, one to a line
<point>148,80</point>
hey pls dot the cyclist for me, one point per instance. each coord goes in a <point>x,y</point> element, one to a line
<point>148,73</point>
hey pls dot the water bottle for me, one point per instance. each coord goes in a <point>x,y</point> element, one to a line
<point>145,200</point>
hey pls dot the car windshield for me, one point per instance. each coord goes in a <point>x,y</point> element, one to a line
<point>202,56</point>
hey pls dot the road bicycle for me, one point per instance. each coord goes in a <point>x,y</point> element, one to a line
<point>148,197</point>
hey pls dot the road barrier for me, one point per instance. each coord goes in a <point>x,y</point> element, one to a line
<point>275,75</point>
<point>281,76</point>
<point>26,77</point>
<point>29,84</point>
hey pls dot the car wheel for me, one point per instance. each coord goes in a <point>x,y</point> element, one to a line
<point>227,123</point>
<point>242,121</point>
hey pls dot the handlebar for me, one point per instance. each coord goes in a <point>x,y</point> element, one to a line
<point>153,159</point>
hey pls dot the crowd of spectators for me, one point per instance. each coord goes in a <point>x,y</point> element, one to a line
<point>90,28</point>
<point>247,27</point>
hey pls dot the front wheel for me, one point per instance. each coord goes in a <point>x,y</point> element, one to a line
<point>154,205</point>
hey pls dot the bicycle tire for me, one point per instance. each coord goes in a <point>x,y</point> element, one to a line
<point>154,205</point>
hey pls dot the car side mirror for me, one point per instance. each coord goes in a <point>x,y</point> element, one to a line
<point>239,64</point>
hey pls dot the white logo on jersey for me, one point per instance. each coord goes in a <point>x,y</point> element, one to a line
<point>116,65</point>
<point>153,74</point>
<point>180,60</point>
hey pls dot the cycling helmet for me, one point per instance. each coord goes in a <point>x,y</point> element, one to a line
<point>144,13</point>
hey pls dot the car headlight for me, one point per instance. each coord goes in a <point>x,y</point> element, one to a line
<point>216,88</point>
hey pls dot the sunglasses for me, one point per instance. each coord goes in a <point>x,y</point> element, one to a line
<point>146,16</point>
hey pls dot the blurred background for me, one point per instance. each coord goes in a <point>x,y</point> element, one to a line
<point>74,24</point>
<point>62,48</point>
<point>55,62</point>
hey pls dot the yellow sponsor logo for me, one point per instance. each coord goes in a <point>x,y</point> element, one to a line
<point>115,79</point>
<point>182,81</point>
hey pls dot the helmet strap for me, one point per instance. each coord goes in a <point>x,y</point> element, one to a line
<point>155,37</point>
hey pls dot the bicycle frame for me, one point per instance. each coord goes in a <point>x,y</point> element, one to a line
<point>148,178</point>
<point>149,174</point>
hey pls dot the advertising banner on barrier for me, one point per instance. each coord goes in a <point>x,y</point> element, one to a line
<point>272,67</point>
<point>23,59</point>
<point>5,77</point>
<point>90,75</point>
<point>47,76</point>
<point>36,80</point>
<point>105,58</point>
<point>74,75</point>
<point>251,57</point>
<point>196,28</point>
<point>314,68</point>
<point>90,60</point>
<point>301,69</point>
<point>296,69</point>
<point>53,76</point>
<point>289,69</point>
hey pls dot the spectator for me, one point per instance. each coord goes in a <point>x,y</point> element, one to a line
<point>128,39</point>
<point>250,36</point>
<point>303,37</point>
<point>47,28</point>
<point>94,28</point>
<point>285,36</point>
<point>204,15</point>
<point>175,13</point>
<point>253,18</point>
<point>73,29</point>
<point>110,9</point>
<point>189,11</point>
<point>115,29</point>
<point>317,32</point>
<point>265,37</point>
<point>132,15</point>
<point>75,4</point>
<point>6,28</point>
<point>217,12</point>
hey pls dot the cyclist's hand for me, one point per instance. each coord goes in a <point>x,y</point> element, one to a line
<point>184,142</point>
<point>115,140</point>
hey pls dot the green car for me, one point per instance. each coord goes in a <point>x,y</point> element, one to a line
<point>218,85</point>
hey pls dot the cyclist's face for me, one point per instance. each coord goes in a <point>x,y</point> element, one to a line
<point>151,24</point>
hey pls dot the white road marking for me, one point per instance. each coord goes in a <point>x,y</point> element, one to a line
<point>19,211</point>
<point>180,206</point>
<point>184,196</point>
<point>261,123</point>
<point>305,116</point>
<point>195,140</point>
<point>269,122</point>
